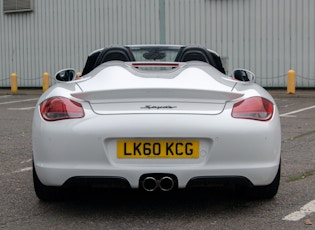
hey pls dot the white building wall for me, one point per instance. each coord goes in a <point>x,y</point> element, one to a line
<point>266,36</point>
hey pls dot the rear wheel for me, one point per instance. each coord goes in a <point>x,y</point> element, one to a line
<point>43,192</point>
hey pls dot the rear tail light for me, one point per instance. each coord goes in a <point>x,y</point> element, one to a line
<point>255,108</point>
<point>60,108</point>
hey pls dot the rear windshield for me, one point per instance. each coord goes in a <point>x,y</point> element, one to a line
<point>160,54</point>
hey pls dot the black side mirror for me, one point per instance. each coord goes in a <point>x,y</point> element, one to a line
<point>243,75</point>
<point>66,75</point>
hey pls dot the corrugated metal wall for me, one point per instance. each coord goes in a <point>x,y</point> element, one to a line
<point>266,36</point>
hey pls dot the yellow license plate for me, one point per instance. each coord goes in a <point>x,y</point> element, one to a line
<point>158,149</point>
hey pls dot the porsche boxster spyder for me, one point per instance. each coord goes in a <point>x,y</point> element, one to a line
<point>156,117</point>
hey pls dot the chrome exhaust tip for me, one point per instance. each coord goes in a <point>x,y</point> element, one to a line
<point>149,184</point>
<point>166,184</point>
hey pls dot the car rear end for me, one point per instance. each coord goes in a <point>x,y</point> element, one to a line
<point>188,126</point>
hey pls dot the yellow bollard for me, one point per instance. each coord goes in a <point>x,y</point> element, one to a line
<point>14,83</point>
<point>45,81</point>
<point>291,82</point>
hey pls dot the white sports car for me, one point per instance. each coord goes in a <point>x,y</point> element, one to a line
<point>156,117</point>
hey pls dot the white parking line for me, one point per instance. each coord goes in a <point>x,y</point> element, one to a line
<point>26,161</point>
<point>26,108</point>
<point>297,111</point>
<point>20,170</point>
<point>304,211</point>
<point>17,171</point>
<point>12,102</point>
<point>23,170</point>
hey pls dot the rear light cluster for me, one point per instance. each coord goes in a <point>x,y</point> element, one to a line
<point>255,108</point>
<point>60,108</point>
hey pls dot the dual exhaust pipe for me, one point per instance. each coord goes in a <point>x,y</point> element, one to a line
<point>151,183</point>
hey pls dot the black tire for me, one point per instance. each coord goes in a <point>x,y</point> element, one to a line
<point>43,192</point>
<point>267,191</point>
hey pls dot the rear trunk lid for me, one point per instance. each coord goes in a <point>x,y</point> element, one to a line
<point>123,90</point>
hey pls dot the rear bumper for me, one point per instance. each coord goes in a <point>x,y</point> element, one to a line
<point>132,177</point>
<point>229,149</point>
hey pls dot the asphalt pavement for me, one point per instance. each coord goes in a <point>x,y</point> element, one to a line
<point>292,208</point>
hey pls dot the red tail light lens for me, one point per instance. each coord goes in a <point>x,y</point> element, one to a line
<point>60,108</point>
<point>255,108</point>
